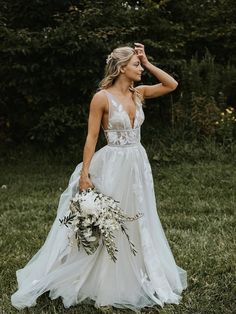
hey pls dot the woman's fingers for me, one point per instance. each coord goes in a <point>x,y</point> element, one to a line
<point>139,44</point>
<point>85,184</point>
<point>85,187</point>
<point>139,48</point>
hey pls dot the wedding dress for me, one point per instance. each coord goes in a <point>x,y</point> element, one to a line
<point>121,170</point>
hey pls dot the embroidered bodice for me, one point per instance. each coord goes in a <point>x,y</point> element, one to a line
<point>120,131</point>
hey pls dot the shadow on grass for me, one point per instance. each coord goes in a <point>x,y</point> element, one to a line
<point>46,305</point>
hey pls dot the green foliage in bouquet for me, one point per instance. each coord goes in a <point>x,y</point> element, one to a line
<point>93,218</point>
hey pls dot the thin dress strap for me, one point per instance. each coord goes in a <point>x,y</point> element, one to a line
<point>109,110</point>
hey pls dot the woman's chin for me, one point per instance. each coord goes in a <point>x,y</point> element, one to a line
<point>137,79</point>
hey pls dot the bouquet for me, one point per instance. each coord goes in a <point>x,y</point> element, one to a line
<point>94,216</point>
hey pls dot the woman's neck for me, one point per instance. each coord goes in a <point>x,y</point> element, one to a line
<point>122,86</point>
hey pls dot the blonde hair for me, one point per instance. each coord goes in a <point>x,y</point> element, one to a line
<point>115,60</point>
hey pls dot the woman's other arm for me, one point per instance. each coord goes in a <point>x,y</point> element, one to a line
<point>97,107</point>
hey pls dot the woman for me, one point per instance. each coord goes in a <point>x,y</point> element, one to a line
<point>120,169</point>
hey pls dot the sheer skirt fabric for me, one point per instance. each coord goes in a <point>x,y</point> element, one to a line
<point>121,170</point>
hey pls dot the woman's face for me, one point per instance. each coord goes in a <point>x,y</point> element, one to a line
<point>133,70</point>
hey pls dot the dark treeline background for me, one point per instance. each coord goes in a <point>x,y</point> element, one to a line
<point>53,56</point>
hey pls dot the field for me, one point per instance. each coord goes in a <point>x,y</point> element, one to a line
<point>196,205</point>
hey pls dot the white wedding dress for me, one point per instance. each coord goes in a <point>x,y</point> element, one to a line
<point>121,170</point>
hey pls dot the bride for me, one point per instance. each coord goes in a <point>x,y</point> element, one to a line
<point>120,169</point>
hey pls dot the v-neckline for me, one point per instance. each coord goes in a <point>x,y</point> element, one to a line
<point>135,115</point>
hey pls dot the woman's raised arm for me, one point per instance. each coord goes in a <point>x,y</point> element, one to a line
<point>167,83</point>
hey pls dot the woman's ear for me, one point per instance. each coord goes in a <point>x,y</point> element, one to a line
<point>122,70</point>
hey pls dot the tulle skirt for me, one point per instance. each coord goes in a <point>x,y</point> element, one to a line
<point>149,278</point>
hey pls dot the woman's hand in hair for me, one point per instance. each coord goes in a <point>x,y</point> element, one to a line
<point>139,48</point>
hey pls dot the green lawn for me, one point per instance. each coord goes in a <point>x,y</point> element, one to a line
<point>196,204</point>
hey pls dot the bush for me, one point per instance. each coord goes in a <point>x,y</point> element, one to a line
<point>203,92</point>
<point>51,63</point>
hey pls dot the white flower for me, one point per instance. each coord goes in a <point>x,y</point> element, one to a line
<point>86,222</point>
<point>91,239</point>
<point>114,205</point>
<point>88,233</point>
<point>88,204</point>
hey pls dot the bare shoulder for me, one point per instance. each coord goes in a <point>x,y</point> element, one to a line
<point>99,100</point>
<point>140,93</point>
<point>140,89</point>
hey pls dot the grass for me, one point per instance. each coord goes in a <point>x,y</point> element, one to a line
<point>196,204</point>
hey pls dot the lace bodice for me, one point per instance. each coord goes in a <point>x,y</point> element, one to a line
<point>120,131</point>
